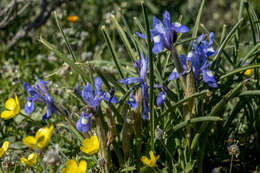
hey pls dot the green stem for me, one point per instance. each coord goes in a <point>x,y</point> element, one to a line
<point>231,164</point>
<point>166,149</point>
<point>29,118</point>
<point>151,74</point>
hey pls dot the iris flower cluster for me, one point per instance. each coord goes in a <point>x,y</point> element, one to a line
<point>198,56</point>
<point>164,34</point>
<point>39,94</point>
<point>142,67</point>
<point>93,100</point>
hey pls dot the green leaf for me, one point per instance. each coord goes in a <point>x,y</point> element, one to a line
<point>124,38</point>
<point>192,121</point>
<point>113,52</point>
<point>250,53</point>
<point>224,43</point>
<point>179,103</point>
<point>239,70</point>
<point>250,93</point>
<point>151,73</point>
<point>73,130</point>
<point>130,168</point>
<point>216,109</point>
<point>65,38</point>
<point>74,66</point>
<point>197,23</point>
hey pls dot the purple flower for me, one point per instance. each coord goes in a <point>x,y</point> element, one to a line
<point>142,67</point>
<point>85,122</point>
<point>198,57</point>
<point>93,99</point>
<point>132,101</point>
<point>164,33</point>
<point>39,94</point>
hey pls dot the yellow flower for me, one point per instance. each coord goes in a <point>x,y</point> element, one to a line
<point>41,139</point>
<point>73,167</point>
<point>248,72</point>
<point>4,148</point>
<point>31,161</point>
<point>90,145</point>
<point>13,108</point>
<point>72,19</point>
<point>150,162</point>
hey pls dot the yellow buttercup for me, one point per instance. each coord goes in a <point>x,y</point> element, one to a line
<point>41,138</point>
<point>150,162</point>
<point>73,167</point>
<point>31,161</point>
<point>248,72</point>
<point>90,145</point>
<point>13,108</point>
<point>4,148</point>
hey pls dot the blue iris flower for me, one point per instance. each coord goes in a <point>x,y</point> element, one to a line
<point>84,123</point>
<point>142,67</point>
<point>162,95</point>
<point>39,94</point>
<point>132,101</point>
<point>198,56</point>
<point>164,33</point>
<point>93,99</point>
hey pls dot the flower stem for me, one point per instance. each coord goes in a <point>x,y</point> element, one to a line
<point>231,164</point>
<point>151,74</point>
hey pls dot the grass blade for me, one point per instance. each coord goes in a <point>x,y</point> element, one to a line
<point>216,109</point>
<point>124,38</point>
<point>74,66</point>
<point>250,53</point>
<point>151,73</point>
<point>224,43</point>
<point>65,38</point>
<point>238,70</point>
<point>179,103</point>
<point>113,52</point>
<point>193,120</point>
<point>197,23</point>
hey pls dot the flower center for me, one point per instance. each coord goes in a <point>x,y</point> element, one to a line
<point>156,39</point>
<point>84,121</point>
<point>29,104</point>
<point>190,54</point>
<point>177,24</point>
<point>209,73</point>
<point>211,49</point>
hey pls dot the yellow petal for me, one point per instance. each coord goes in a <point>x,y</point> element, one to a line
<point>4,148</point>
<point>6,115</point>
<point>248,72</point>
<point>31,161</point>
<point>83,165</point>
<point>71,167</point>
<point>90,145</point>
<point>145,160</point>
<point>29,141</point>
<point>33,158</point>
<point>150,162</point>
<point>17,108</point>
<point>43,136</point>
<point>5,145</point>
<point>151,155</point>
<point>10,104</point>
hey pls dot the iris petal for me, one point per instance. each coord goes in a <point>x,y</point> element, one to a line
<point>176,26</point>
